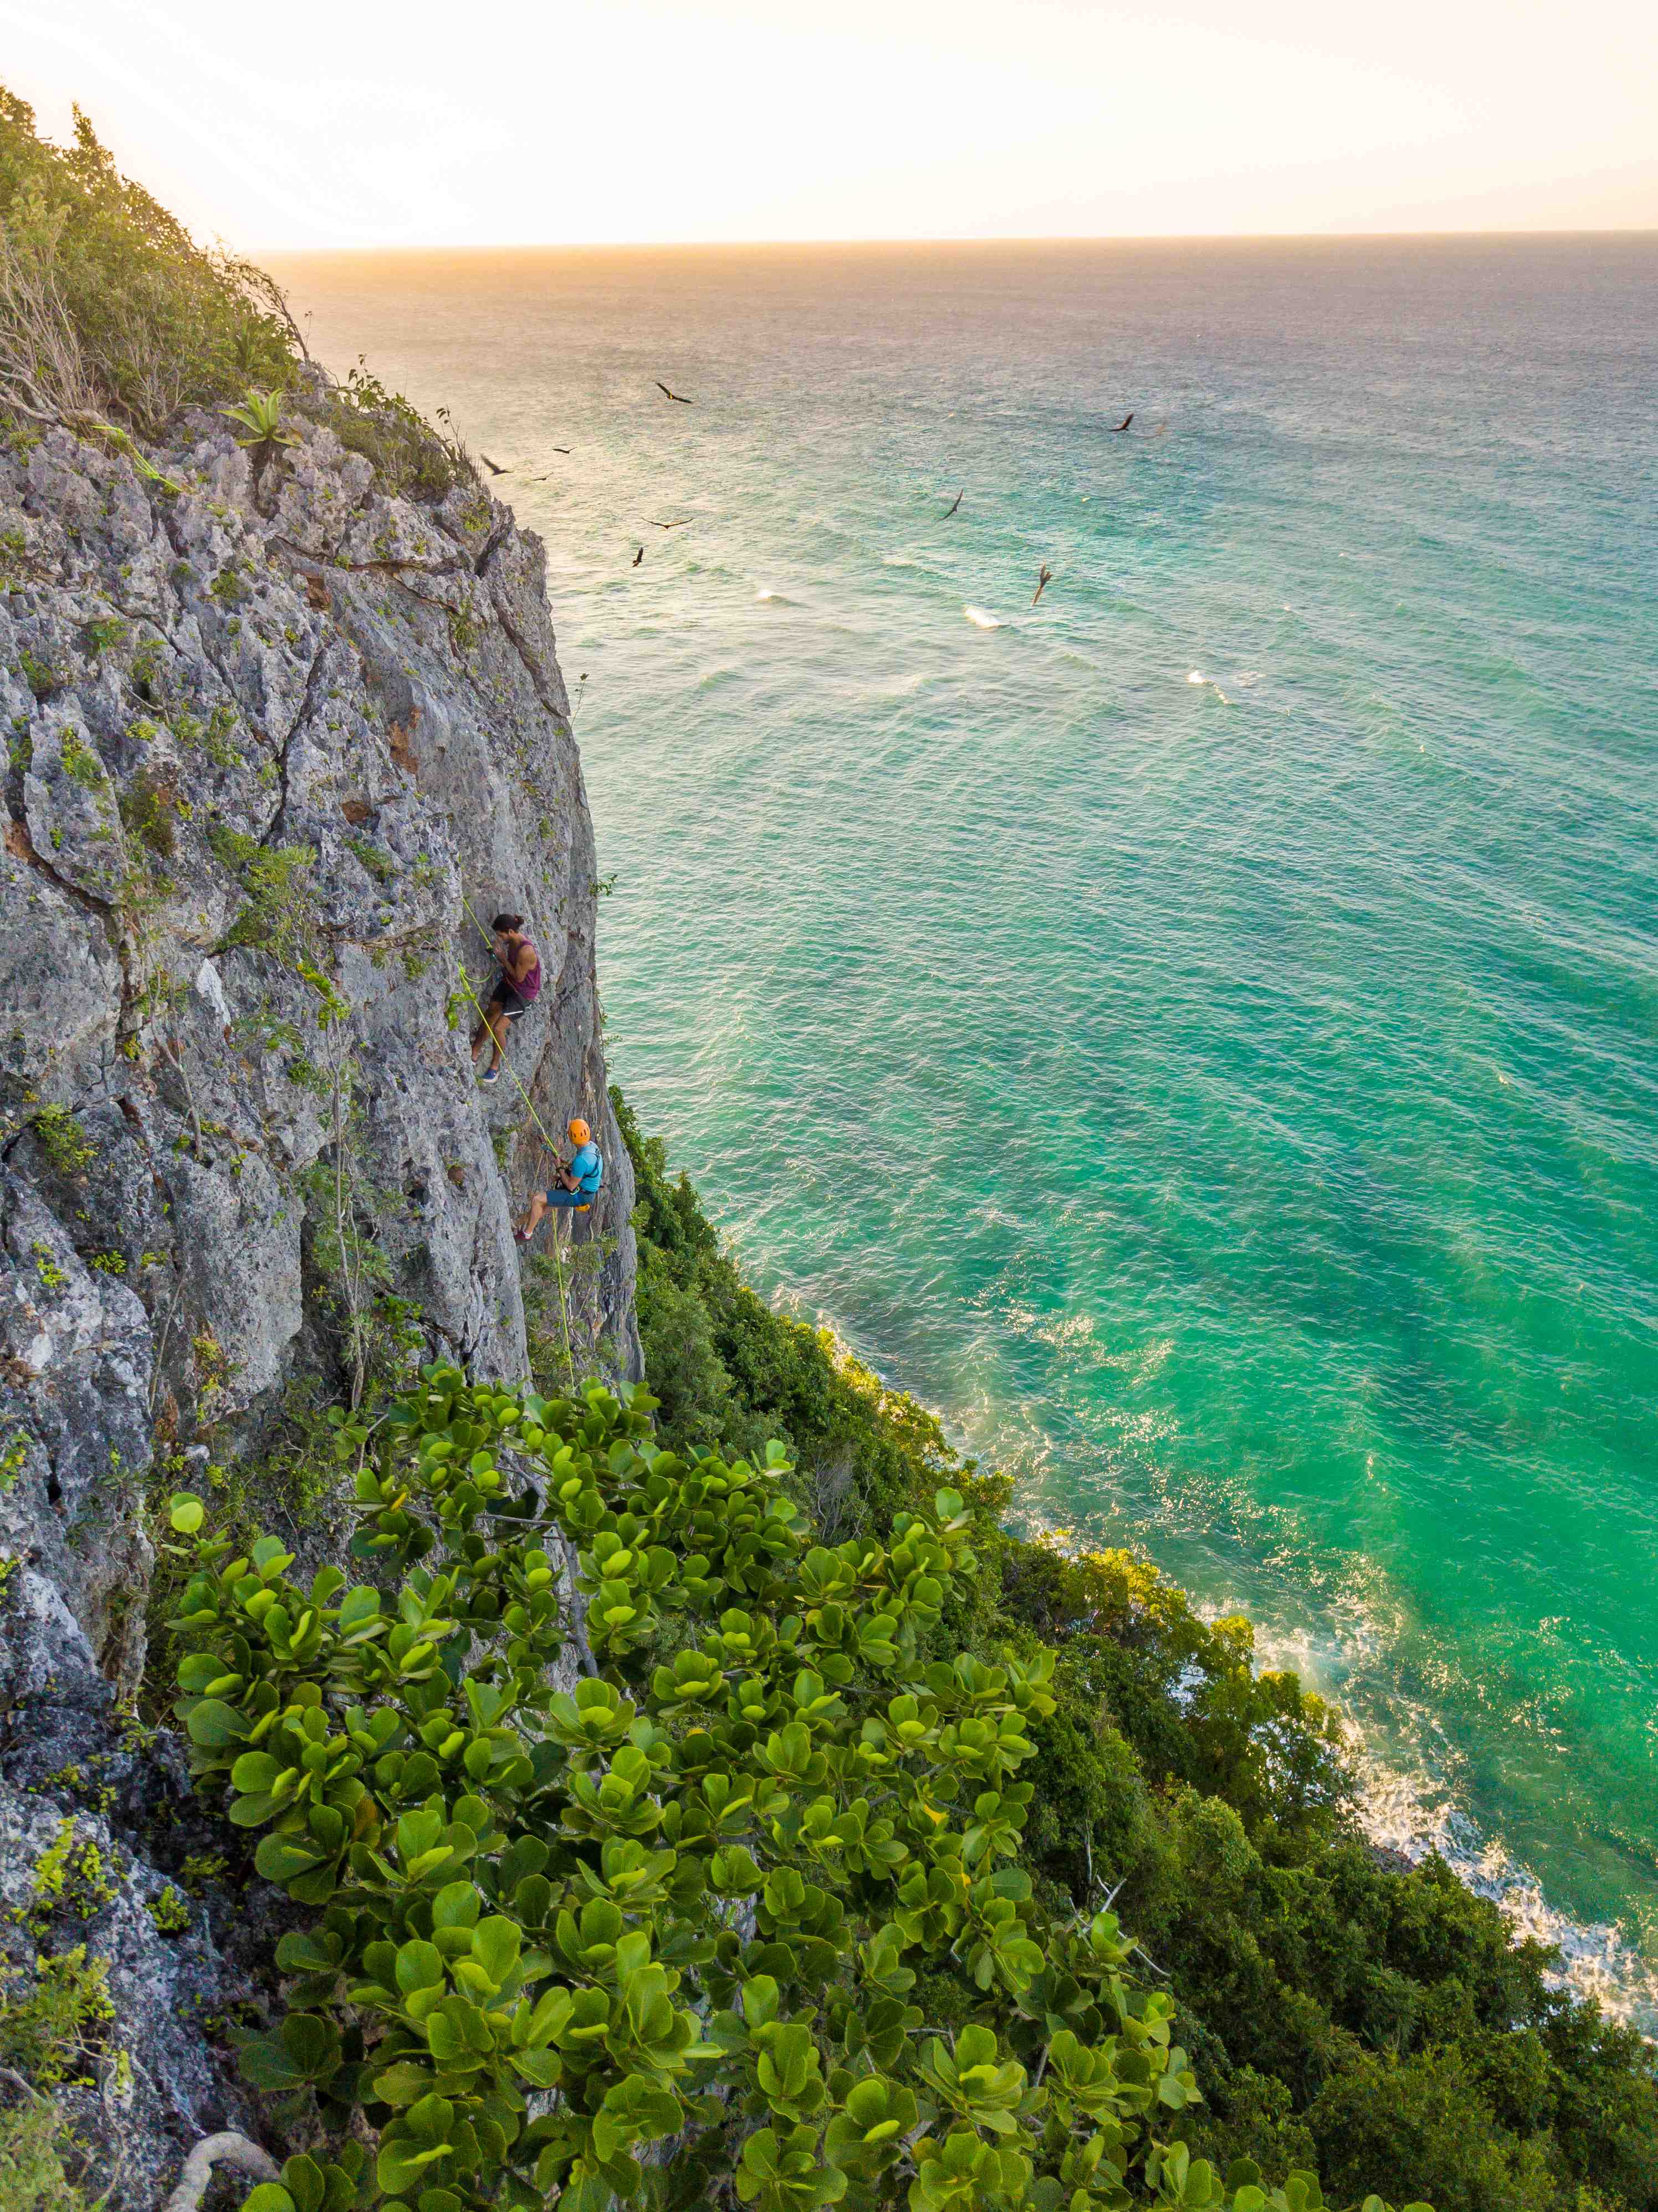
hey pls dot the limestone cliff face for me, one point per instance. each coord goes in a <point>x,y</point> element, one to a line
<point>266,748</point>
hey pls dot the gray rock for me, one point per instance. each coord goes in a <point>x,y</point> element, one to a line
<point>95,1823</point>
<point>271,765</point>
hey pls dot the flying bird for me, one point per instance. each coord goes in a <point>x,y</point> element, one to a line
<point>1117,429</point>
<point>679,525</point>
<point>679,396</point>
<point>639,556</point>
<point>1044,578</point>
<point>493,467</point>
<point>960,496</point>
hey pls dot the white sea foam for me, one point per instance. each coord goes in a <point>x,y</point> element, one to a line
<point>981,619</point>
<point>1417,1815</point>
<point>1410,1815</point>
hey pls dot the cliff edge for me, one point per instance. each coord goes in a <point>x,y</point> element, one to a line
<point>279,739</point>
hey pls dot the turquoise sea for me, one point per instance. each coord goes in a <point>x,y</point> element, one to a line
<point>1198,1032</point>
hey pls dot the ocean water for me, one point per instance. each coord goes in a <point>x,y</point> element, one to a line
<point>1199,1031</point>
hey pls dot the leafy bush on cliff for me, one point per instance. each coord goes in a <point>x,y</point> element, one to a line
<point>740,1915</point>
<point>411,459</point>
<point>1380,2024</point>
<point>107,307</point>
<point>110,315</point>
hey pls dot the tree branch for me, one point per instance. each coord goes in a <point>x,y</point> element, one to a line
<point>228,2149</point>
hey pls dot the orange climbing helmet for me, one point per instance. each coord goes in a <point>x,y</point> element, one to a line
<point>580,1133</point>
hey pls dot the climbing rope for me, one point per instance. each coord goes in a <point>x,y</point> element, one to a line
<point>553,1152</point>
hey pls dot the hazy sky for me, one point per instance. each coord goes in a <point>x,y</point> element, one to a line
<point>404,121</point>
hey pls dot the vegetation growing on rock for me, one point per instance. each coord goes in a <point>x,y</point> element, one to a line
<point>107,307</point>
<point>673,1956</point>
<point>745,1899</point>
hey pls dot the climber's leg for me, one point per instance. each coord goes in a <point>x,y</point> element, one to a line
<point>532,1221</point>
<point>486,1028</point>
<point>547,1201</point>
<point>506,1007</point>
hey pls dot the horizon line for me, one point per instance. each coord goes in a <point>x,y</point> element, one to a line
<point>1053,238</point>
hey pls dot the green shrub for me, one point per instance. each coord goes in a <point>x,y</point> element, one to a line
<point>43,678</point>
<point>380,864</point>
<point>64,1141</point>
<point>52,2027</point>
<point>1429,2110</point>
<point>259,416</point>
<point>752,1888</point>
<point>149,812</point>
<point>277,880</point>
<point>411,459</point>
<point>53,2023</point>
<point>1210,1802</point>
<point>105,301</point>
<point>34,2142</point>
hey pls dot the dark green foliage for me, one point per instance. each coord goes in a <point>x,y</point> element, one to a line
<point>1307,1974</point>
<point>1432,2111</point>
<point>750,1887</point>
<point>43,678</point>
<point>1380,2024</point>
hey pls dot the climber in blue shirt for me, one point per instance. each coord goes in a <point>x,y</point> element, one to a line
<point>574,1187</point>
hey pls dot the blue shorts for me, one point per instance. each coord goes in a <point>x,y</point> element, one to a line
<point>577,1201</point>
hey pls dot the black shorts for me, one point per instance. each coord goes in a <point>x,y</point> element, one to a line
<point>506,995</point>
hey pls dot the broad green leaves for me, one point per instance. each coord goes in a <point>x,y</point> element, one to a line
<point>693,1899</point>
<point>305,2051</point>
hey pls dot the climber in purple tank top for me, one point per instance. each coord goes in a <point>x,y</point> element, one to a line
<point>515,991</point>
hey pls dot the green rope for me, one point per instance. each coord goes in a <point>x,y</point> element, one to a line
<point>552,1149</point>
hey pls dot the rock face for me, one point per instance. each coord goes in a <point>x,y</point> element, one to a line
<point>274,754</point>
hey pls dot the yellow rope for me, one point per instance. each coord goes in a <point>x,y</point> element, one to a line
<point>558,1257</point>
<point>504,1062</point>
